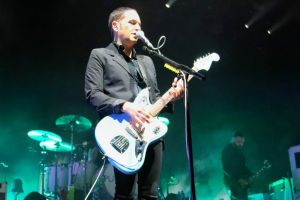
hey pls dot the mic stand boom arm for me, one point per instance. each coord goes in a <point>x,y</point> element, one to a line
<point>188,136</point>
<point>182,67</point>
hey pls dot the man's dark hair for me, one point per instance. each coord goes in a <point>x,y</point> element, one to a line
<point>238,134</point>
<point>35,196</point>
<point>116,15</point>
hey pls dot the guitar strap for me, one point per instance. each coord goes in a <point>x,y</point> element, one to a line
<point>142,70</point>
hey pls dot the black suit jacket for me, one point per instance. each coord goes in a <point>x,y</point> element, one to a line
<point>108,82</point>
<point>234,164</point>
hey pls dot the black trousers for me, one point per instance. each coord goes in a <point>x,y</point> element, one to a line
<point>238,192</point>
<point>147,177</point>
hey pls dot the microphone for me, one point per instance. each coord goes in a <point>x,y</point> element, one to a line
<point>141,35</point>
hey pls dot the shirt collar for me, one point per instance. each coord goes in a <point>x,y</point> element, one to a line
<point>121,50</point>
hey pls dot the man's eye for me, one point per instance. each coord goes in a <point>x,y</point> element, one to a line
<point>133,22</point>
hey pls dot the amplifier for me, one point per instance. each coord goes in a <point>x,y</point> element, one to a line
<point>281,189</point>
<point>259,196</point>
<point>3,188</point>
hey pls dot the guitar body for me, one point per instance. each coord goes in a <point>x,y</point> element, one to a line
<point>124,141</point>
<point>122,144</point>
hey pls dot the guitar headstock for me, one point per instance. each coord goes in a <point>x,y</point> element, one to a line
<point>204,63</point>
<point>267,165</point>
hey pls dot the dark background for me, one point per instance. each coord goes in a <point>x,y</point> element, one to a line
<point>254,88</point>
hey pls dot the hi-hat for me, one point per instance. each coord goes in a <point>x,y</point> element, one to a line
<point>40,135</point>
<point>74,123</point>
<point>56,146</point>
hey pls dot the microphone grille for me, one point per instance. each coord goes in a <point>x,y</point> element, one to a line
<point>140,34</point>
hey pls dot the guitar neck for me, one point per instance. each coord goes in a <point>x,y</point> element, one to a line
<point>200,63</point>
<point>163,100</point>
<point>257,174</point>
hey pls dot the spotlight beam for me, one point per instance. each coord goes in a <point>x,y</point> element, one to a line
<point>170,3</point>
<point>262,11</point>
<point>284,20</point>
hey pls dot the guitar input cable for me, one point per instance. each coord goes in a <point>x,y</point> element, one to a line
<point>104,158</point>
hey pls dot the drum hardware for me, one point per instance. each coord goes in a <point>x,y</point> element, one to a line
<point>160,194</point>
<point>59,171</point>
<point>57,176</point>
<point>42,164</point>
<point>84,169</point>
<point>56,146</point>
<point>73,124</point>
<point>44,137</point>
<point>41,136</point>
<point>79,173</point>
<point>171,182</point>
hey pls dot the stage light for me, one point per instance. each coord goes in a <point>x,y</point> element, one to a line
<point>282,22</point>
<point>261,12</point>
<point>170,3</point>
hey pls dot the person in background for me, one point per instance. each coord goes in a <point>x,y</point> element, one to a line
<point>235,170</point>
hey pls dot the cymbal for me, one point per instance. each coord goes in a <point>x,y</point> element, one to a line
<point>56,146</point>
<point>40,135</point>
<point>74,123</point>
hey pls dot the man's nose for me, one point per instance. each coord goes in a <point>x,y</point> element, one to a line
<point>137,27</point>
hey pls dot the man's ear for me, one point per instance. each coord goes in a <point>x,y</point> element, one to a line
<point>115,26</point>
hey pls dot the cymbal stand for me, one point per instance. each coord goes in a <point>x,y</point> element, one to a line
<point>85,157</point>
<point>42,164</point>
<point>55,179</point>
<point>72,124</point>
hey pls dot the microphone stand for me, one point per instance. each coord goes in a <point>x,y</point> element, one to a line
<point>188,136</point>
<point>182,67</point>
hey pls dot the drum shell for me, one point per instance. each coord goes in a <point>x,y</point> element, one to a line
<point>58,175</point>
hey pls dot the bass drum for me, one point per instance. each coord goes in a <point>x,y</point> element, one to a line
<point>82,174</point>
<point>56,175</point>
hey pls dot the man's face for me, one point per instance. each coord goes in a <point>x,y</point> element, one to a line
<point>239,141</point>
<point>127,27</point>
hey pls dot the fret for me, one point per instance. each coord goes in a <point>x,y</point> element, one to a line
<point>161,103</point>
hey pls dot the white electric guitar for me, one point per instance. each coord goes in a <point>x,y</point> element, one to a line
<point>124,141</point>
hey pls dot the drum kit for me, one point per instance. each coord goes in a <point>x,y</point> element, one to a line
<point>64,173</point>
<point>68,171</point>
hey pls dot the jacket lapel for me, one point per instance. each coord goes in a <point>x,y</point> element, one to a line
<point>117,57</point>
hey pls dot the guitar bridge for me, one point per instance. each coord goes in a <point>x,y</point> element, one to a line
<point>139,149</point>
<point>132,133</point>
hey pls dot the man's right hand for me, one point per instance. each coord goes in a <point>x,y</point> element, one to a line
<point>137,113</point>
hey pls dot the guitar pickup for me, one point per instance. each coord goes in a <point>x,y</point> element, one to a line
<point>120,143</point>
